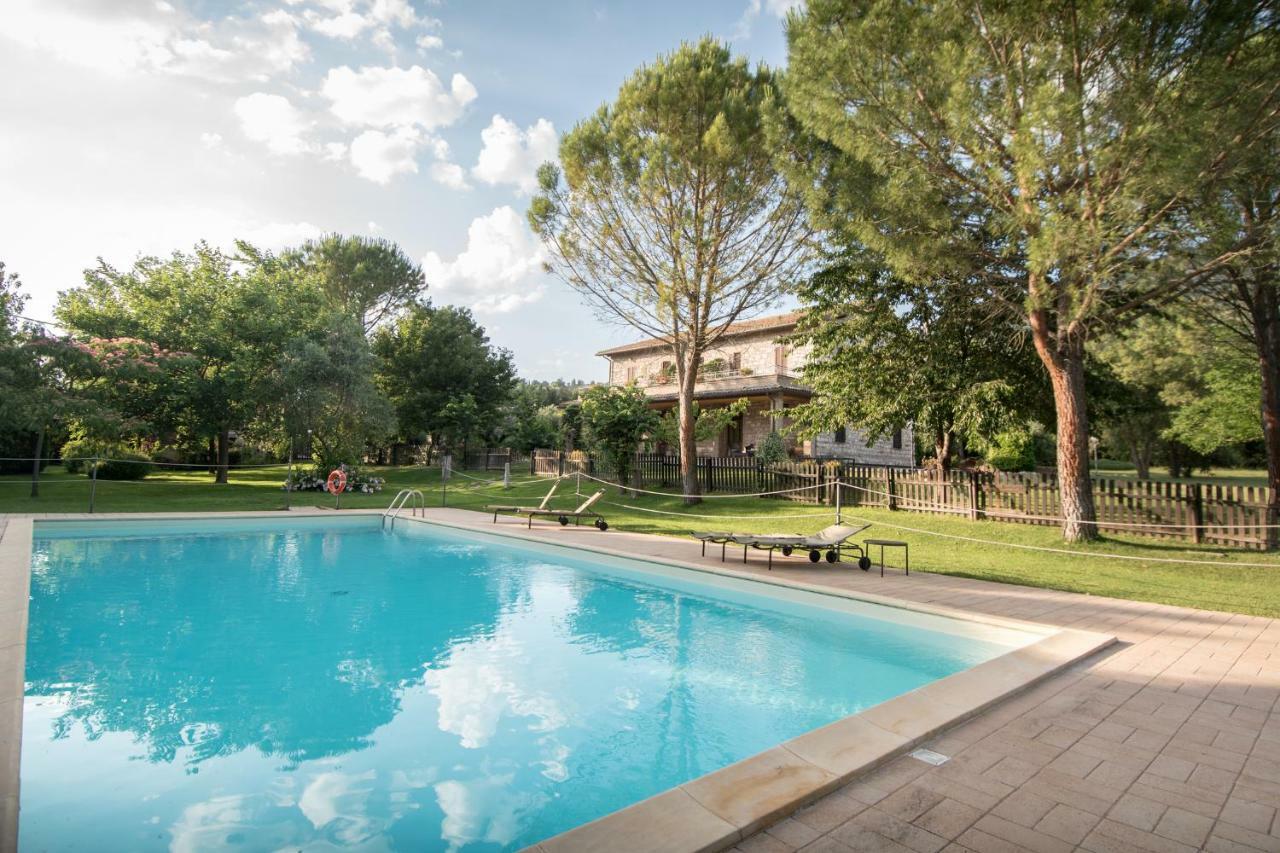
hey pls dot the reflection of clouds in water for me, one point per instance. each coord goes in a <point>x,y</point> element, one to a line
<point>554,766</point>
<point>475,691</point>
<point>484,810</point>
<point>212,824</point>
<point>325,796</point>
<point>361,673</point>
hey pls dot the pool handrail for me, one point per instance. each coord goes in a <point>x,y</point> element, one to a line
<point>404,496</point>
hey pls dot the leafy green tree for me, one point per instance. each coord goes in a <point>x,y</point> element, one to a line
<point>231,326</point>
<point>430,358</point>
<point>366,278</point>
<point>669,215</point>
<point>1043,152</point>
<point>1181,380</point>
<point>707,423</point>
<point>530,419</point>
<point>886,351</point>
<point>615,421</point>
<point>327,383</point>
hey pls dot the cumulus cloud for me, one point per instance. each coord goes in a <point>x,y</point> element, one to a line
<point>449,174</point>
<point>380,156</point>
<point>346,25</point>
<point>777,8</point>
<point>132,36</point>
<point>396,97</point>
<point>498,271</point>
<point>273,121</point>
<point>427,41</point>
<point>512,156</point>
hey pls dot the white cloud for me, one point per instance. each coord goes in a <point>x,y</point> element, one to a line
<point>211,140</point>
<point>381,156</point>
<point>397,12</point>
<point>347,25</point>
<point>426,41</point>
<point>273,121</point>
<point>777,8</point>
<point>449,174</point>
<point>132,36</point>
<point>499,269</point>
<point>396,97</point>
<point>512,156</point>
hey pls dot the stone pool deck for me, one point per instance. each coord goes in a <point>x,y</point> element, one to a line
<point>1169,741</point>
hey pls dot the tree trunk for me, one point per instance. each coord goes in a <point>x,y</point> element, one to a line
<point>224,455</point>
<point>942,450</point>
<point>1064,360</point>
<point>688,434</point>
<point>1140,455</point>
<point>35,466</point>
<point>1266,334</point>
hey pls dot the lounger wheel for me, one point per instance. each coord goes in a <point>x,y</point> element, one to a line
<point>786,550</point>
<point>563,520</point>
<point>815,555</point>
<point>601,524</point>
<point>864,563</point>
<point>833,556</point>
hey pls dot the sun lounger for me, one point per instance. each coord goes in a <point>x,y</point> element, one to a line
<point>715,538</point>
<point>546,499</point>
<point>563,516</point>
<point>830,539</point>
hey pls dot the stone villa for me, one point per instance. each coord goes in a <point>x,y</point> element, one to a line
<point>750,361</point>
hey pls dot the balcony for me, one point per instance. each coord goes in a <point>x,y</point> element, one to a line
<point>725,383</point>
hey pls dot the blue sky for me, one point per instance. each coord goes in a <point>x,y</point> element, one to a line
<point>145,125</point>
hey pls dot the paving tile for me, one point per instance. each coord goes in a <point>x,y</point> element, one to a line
<point>1020,836</point>
<point>907,834</point>
<point>1023,807</point>
<point>762,842</point>
<point>1177,769</point>
<point>1112,837</point>
<point>1242,813</point>
<point>851,836</point>
<point>826,844</point>
<point>793,833</point>
<point>948,818</point>
<point>1012,771</point>
<point>1067,823</point>
<point>829,812</point>
<point>1184,826</point>
<point>1240,835</point>
<point>910,802</point>
<point>1138,812</point>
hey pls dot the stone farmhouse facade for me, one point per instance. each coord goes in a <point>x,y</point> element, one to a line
<point>751,361</point>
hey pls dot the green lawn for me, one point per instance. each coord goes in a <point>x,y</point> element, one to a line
<point>1224,586</point>
<point>1219,476</point>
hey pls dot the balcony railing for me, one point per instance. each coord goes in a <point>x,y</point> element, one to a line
<point>669,378</point>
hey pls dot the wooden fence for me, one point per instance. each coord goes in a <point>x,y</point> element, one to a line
<point>1229,515</point>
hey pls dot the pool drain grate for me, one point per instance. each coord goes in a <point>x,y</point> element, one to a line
<point>928,756</point>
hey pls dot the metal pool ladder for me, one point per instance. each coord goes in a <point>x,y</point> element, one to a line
<point>412,497</point>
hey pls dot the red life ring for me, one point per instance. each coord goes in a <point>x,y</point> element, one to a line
<point>337,482</point>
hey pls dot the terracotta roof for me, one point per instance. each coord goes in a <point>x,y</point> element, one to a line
<point>759,324</point>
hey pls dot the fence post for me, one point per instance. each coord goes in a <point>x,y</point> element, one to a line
<point>506,475</point>
<point>973,496</point>
<point>891,499</point>
<point>93,484</point>
<point>1197,514</point>
<point>533,462</point>
<point>560,462</point>
<point>839,481</point>
<point>821,482</point>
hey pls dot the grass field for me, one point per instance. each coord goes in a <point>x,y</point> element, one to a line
<point>1002,556</point>
<point>1220,476</point>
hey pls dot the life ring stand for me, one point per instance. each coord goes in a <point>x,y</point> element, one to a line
<point>337,482</point>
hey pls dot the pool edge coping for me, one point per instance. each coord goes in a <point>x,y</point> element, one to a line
<point>711,812</point>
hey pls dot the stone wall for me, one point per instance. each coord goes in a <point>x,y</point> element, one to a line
<point>756,353</point>
<point>855,447</point>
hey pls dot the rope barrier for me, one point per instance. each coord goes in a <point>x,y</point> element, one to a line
<point>931,507</point>
<point>705,497</point>
<point>1066,551</point>
<point>696,515</point>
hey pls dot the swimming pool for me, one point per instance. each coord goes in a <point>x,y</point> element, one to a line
<point>318,683</point>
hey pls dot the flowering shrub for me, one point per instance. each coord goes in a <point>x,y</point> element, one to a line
<point>314,480</point>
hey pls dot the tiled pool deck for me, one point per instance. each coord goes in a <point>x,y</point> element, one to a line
<point>1168,742</point>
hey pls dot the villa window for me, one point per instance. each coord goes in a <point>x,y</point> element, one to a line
<point>631,375</point>
<point>841,437</point>
<point>897,439</point>
<point>779,359</point>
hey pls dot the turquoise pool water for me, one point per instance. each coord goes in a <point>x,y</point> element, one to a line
<point>319,683</point>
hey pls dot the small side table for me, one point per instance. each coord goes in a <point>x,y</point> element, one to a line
<point>890,543</point>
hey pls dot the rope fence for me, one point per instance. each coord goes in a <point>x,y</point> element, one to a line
<point>838,511</point>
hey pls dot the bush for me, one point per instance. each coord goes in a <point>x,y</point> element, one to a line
<point>124,465</point>
<point>316,478</point>
<point>1012,450</point>
<point>118,460</point>
<point>772,450</point>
